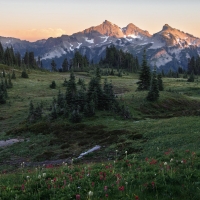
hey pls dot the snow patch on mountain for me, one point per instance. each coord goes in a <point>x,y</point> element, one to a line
<point>55,53</point>
<point>79,44</point>
<point>187,56</point>
<point>134,36</point>
<point>89,41</point>
<point>105,38</point>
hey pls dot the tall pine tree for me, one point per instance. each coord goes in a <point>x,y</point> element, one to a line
<point>145,75</point>
<point>153,94</point>
<point>65,65</point>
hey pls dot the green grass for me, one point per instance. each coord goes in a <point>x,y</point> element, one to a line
<point>169,125</point>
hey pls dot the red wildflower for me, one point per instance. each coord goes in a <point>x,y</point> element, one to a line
<point>153,162</point>
<point>106,195</point>
<point>78,197</point>
<point>136,198</point>
<point>23,187</point>
<point>121,188</point>
<point>105,188</point>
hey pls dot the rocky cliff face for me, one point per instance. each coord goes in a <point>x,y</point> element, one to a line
<point>169,48</point>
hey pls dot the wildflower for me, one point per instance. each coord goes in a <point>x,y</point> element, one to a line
<point>28,177</point>
<point>39,176</point>
<point>165,163</point>
<point>153,184</point>
<point>44,174</point>
<point>78,197</point>
<point>136,198</point>
<point>90,193</point>
<point>105,188</point>
<point>182,161</point>
<point>121,188</point>
<point>171,160</point>
<point>106,195</point>
<point>23,187</point>
<point>126,183</point>
<point>92,184</point>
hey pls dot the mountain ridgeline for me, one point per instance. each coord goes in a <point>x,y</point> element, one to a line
<point>170,48</point>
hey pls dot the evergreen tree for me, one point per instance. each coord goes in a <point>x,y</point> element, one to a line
<point>65,65</point>
<point>3,73</point>
<point>95,93</point>
<point>153,93</point>
<point>53,114</point>
<point>71,90</point>
<point>60,99</point>
<point>98,73</point>
<point>76,116</point>
<point>1,53</point>
<point>53,66</point>
<point>31,116</point>
<point>145,75</point>
<point>38,112</point>
<point>53,85</point>
<point>13,75</point>
<point>89,109</point>
<point>26,59</point>
<point>6,83</point>
<point>24,74</point>
<point>108,95</point>
<point>3,93</point>
<point>2,97</point>
<point>160,82</point>
<point>191,78</point>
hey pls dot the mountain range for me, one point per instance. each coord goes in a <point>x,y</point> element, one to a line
<point>170,48</point>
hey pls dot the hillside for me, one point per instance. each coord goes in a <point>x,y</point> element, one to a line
<point>170,118</point>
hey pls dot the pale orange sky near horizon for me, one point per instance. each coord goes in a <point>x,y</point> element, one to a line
<point>40,19</point>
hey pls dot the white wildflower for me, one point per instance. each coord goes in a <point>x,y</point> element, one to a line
<point>90,193</point>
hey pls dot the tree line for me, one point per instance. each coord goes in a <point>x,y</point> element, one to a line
<point>5,84</point>
<point>120,60</point>
<point>11,58</point>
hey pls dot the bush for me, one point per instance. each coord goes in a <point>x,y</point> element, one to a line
<point>24,74</point>
<point>53,85</point>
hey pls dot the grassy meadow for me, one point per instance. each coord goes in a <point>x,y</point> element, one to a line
<point>154,155</point>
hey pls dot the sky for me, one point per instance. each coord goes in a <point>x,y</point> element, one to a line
<point>41,19</point>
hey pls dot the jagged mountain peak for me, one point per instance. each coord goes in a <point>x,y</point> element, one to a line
<point>131,29</point>
<point>106,28</point>
<point>166,27</point>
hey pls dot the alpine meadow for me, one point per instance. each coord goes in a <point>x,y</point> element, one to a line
<point>104,113</point>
